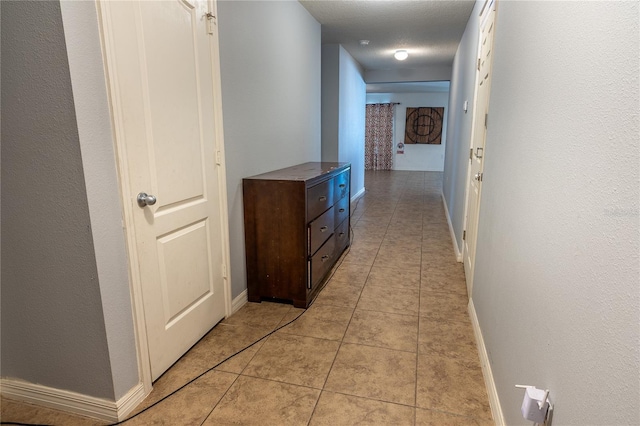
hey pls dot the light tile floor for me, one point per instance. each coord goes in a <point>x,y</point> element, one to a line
<point>387,342</point>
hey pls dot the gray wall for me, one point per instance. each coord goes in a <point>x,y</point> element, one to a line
<point>418,157</point>
<point>433,73</point>
<point>270,67</point>
<point>330,101</point>
<point>343,112</point>
<point>353,98</point>
<point>462,88</point>
<point>556,281</point>
<point>97,148</point>
<point>53,330</point>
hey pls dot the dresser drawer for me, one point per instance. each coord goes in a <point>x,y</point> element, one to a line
<point>341,210</point>
<point>321,229</point>
<point>341,186</point>
<point>341,236</point>
<point>321,262</point>
<point>319,199</point>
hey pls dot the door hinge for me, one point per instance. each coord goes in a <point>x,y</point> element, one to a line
<point>464,235</point>
<point>486,117</point>
<point>218,158</point>
<point>224,270</point>
<point>470,153</point>
<point>211,22</point>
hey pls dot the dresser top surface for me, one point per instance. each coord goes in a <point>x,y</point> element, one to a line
<point>303,172</point>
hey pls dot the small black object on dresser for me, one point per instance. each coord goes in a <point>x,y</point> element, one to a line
<point>296,226</point>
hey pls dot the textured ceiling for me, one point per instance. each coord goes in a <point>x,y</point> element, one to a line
<point>429,30</point>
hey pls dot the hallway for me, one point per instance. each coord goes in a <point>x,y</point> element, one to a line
<point>388,341</point>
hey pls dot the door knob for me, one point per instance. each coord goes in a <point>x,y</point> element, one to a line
<point>145,199</point>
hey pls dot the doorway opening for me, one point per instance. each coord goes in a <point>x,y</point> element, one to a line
<point>405,153</point>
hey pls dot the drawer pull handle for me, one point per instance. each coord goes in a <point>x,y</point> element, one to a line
<point>322,198</point>
<point>341,210</point>
<point>341,234</point>
<point>342,185</point>
<point>325,258</point>
<point>323,229</point>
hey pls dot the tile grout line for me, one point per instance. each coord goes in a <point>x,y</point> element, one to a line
<point>352,314</point>
<point>415,393</point>
<point>345,330</point>
<point>404,190</point>
<point>242,371</point>
<point>283,317</point>
<point>221,398</point>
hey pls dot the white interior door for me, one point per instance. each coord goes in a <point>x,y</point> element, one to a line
<point>163,69</point>
<point>476,154</point>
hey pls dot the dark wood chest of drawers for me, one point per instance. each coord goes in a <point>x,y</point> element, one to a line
<point>296,224</point>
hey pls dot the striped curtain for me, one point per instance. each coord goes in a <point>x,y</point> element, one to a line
<point>378,139</point>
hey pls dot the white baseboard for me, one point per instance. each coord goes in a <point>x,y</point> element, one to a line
<point>492,392</point>
<point>358,195</point>
<point>131,400</point>
<point>72,402</point>
<point>239,301</point>
<point>456,249</point>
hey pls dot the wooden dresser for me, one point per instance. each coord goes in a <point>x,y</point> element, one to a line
<point>296,224</point>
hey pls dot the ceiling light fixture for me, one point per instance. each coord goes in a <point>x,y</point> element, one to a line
<point>401,55</point>
<point>364,42</point>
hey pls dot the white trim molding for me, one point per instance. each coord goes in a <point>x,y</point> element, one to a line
<point>238,302</point>
<point>456,249</point>
<point>131,400</point>
<point>358,195</point>
<point>492,392</point>
<point>72,402</point>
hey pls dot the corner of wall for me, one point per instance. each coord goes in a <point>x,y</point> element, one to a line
<point>456,247</point>
<point>352,96</point>
<point>255,71</point>
<point>72,402</point>
<point>97,148</point>
<point>330,108</point>
<point>462,89</point>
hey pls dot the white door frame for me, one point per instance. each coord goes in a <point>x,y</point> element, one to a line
<point>144,365</point>
<point>469,279</point>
